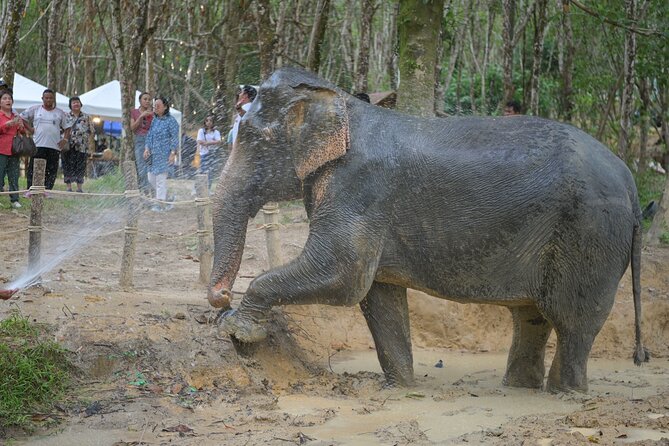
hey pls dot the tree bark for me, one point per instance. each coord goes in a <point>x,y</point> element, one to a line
<point>567,68</point>
<point>317,33</point>
<point>511,34</point>
<point>418,26</point>
<point>10,23</point>
<point>368,8</point>
<point>267,39</point>
<point>228,65</point>
<point>127,45</point>
<point>644,93</point>
<point>53,36</point>
<point>393,56</point>
<point>280,31</point>
<point>508,22</point>
<point>540,23</point>
<point>627,101</point>
<point>87,51</point>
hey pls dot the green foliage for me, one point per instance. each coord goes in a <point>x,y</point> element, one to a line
<point>649,186</point>
<point>34,371</point>
<point>664,238</point>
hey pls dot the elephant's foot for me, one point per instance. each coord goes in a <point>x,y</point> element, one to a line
<point>531,378</point>
<point>241,327</point>
<point>566,383</point>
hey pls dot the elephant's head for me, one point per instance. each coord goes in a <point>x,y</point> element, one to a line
<point>296,125</point>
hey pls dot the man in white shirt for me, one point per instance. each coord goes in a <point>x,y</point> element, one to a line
<point>49,123</point>
<point>246,96</point>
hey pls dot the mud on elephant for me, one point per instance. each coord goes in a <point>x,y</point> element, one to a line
<point>526,213</point>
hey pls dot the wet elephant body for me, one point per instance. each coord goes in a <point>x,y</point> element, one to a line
<point>522,212</point>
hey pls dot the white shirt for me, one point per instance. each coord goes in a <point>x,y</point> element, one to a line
<point>48,125</point>
<point>235,127</point>
<point>213,135</point>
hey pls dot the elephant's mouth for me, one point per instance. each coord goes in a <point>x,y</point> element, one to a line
<point>219,296</point>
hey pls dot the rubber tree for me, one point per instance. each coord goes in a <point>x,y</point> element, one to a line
<point>418,28</point>
<point>10,23</point>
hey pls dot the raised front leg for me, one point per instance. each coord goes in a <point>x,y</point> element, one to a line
<point>336,267</point>
<point>525,365</point>
<point>387,313</point>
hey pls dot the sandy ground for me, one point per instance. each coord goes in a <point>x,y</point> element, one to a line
<point>153,368</point>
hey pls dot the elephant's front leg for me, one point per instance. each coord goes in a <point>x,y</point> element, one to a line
<point>336,267</point>
<point>387,313</point>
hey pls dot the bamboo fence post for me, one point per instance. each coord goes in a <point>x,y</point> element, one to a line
<point>134,204</point>
<point>204,227</point>
<point>36,207</point>
<point>271,213</point>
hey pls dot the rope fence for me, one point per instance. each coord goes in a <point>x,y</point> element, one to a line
<point>134,202</point>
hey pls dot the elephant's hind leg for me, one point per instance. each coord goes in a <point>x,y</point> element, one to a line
<point>525,365</point>
<point>576,330</point>
<point>387,313</point>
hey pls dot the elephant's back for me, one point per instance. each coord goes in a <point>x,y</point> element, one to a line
<point>474,193</point>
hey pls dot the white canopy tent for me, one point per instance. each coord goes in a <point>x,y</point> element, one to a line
<point>28,93</point>
<point>105,102</point>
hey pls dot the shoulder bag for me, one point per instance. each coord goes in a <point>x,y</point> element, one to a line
<point>23,145</point>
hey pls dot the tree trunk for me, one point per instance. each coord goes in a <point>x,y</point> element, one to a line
<point>267,39</point>
<point>393,56</point>
<point>317,33</point>
<point>10,23</point>
<point>127,45</point>
<point>627,101</point>
<point>439,92</point>
<point>490,22</point>
<point>456,47</point>
<point>53,36</point>
<point>644,92</point>
<point>509,17</point>
<point>87,51</point>
<point>368,8</point>
<point>418,26</point>
<point>280,31</point>
<point>193,27</point>
<point>540,23</point>
<point>566,71</point>
<point>226,69</point>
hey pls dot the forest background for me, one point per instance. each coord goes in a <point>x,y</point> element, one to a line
<point>602,65</point>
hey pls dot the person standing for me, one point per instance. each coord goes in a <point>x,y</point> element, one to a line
<point>49,123</point>
<point>81,138</point>
<point>140,123</point>
<point>10,124</point>
<point>162,143</point>
<point>208,141</point>
<point>246,96</point>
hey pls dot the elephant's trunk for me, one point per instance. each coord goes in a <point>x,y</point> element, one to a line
<point>231,212</point>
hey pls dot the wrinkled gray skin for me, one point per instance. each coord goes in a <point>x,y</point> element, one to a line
<point>522,212</point>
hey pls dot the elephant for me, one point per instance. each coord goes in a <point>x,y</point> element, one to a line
<point>521,211</point>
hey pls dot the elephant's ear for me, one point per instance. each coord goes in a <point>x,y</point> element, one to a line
<point>317,128</point>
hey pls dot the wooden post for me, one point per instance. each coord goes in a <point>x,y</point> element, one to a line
<point>36,206</point>
<point>134,204</point>
<point>204,227</point>
<point>271,213</point>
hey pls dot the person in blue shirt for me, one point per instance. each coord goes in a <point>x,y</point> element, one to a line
<point>162,143</point>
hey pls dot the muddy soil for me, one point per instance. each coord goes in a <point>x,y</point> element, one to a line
<point>154,369</point>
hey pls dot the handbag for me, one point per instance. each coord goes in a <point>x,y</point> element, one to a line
<point>23,145</point>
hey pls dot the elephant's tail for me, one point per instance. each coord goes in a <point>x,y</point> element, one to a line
<point>640,353</point>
